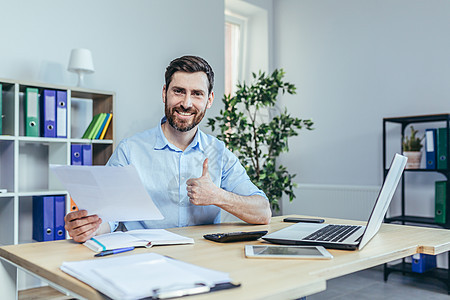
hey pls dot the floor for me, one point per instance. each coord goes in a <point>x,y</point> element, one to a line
<point>369,284</point>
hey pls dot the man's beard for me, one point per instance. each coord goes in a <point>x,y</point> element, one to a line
<point>183,125</point>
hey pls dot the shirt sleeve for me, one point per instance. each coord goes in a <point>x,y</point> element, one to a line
<point>120,157</point>
<point>235,178</point>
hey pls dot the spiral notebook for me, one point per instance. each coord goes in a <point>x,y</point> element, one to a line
<point>135,238</point>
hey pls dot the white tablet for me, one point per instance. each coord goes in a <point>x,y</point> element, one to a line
<point>275,251</point>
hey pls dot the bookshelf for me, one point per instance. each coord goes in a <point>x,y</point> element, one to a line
<point>25,160</point>
<point>405,217</point>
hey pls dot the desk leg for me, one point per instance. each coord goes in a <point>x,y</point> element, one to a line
<point>385,272</point>
<point>8,280</point>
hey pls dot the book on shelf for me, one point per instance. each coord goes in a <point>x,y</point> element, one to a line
<point>97,126</point>
<point>135,238</point>
<point>94,126</point>
<point>103,131</point>
<point>102,126</point>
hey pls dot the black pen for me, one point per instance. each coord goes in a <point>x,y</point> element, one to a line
<point>113,251</point>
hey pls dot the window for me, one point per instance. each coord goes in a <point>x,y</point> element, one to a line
<point>234,50</point>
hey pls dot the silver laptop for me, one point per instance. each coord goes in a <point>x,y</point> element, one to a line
<point>346,237</point>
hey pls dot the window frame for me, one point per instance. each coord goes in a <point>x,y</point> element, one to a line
<point>242,22</point>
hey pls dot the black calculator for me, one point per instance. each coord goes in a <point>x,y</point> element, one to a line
<point>238,236</point>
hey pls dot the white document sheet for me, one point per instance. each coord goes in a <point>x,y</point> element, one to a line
<point>113,193</point>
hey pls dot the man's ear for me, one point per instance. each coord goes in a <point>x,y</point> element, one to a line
<point>164,93</point>
<point>210,100</point>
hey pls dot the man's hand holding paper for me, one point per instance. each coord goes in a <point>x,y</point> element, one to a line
<point>106,194</point>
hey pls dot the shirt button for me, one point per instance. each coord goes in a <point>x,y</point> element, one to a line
<point>183,178</point>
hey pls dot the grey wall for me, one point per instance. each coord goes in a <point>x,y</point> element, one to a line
<point>355,62</point>
<point>131,42</point>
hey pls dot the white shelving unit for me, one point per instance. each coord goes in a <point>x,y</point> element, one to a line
<point>24,161</point>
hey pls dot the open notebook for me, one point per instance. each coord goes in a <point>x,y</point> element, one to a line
<point>135,238</point>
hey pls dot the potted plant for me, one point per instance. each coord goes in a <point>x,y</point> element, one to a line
<point>256,142</point>
<point>412,146</point>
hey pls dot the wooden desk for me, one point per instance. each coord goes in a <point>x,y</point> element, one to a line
<point>260,278</point>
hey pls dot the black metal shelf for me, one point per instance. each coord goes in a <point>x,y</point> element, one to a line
<point>428,170</point>
<point>403,218</point>
<point>414,220</point>
<point>406,268</point>
<point>419,119</point>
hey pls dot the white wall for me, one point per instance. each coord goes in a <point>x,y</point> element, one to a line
<point>355,62</point>
<point>132,42</point>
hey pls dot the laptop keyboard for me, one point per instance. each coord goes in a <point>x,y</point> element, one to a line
<point>332,233</point>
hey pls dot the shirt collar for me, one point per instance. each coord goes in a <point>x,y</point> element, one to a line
<point>162,142</point>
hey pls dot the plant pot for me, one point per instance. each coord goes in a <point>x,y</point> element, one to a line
<point>413,159</point>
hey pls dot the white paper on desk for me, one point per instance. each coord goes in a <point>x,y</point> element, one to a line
<point>136,276</point>
<point>113,193</point>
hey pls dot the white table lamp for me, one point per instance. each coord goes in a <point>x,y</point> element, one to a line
<point>81,63</point>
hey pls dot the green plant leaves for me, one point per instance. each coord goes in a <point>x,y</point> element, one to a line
<point>412,143</point>
<point>256,143</point>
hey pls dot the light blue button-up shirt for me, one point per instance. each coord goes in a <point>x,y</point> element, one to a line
<point>164,170</point>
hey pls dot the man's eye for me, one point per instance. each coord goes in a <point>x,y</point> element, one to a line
<point>198,94</point>
<point>177,91</point>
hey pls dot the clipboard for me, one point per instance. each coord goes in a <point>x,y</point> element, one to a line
<point>147,275</point>
<point>198,288</point>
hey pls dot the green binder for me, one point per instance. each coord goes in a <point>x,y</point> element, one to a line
<point>31,110</point>
<point>440,201</point>
<point>1,111</point>
<point>441,148</point>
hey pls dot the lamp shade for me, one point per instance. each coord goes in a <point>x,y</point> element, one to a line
<point>81,60</point>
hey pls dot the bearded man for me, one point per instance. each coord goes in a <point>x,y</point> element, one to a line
<point>191,176</point>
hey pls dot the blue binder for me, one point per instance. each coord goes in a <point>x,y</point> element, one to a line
<point>61,114</point>
<point>430,148</point>
<point>423,262</point>
<point>43,218</point>
<point>76,155</point>
<point>87,155</point>
<point>48,113</point>
<point>60,212</point>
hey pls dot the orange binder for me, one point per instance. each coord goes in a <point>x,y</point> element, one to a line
<point>73,206</point>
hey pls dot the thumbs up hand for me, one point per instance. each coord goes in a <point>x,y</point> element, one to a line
<point>202,190</point>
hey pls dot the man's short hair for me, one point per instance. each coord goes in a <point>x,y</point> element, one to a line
<point>190,64</point>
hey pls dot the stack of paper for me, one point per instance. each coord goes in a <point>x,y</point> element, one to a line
<point>135,238</point>
<point>142,275</point>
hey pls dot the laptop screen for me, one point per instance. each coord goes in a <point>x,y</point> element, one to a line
<point>384,198</point>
